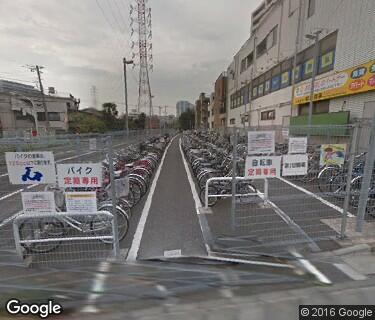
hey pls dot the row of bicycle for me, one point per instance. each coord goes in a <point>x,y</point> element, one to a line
<point>134,164</point>
<point>210,155</point>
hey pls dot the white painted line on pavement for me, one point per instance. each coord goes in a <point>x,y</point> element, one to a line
<point>289,221</point>
<point>11,218</point>
<point>97,288</point>
<point>350,272</point>
<point>311,268</point>
<point>329,204</point>
<point>11,194</point>
<point>136,243</point>
<point>191,182</point>
<point>194,192</point>
<point>3,175</point>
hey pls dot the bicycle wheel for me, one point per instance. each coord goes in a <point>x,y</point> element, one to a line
<point>104,227</point>
<point>325,177</point>
<point>47,228</point>
<point>211,200</point>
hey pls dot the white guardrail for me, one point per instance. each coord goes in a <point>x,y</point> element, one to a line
<point>264,195</point>
<point>67,219</point>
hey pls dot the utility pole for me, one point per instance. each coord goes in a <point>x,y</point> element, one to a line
<point>43,97</point>
<point>315,37</point>
<point>126,95</point>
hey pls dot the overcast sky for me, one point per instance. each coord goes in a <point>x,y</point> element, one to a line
<point>81,43</point>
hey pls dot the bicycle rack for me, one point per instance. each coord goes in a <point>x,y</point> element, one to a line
<point>264,195</point>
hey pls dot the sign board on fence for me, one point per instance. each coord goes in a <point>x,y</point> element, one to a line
<point>82,175</point>
<point>81,202</point>
<point>261,142</point>
<point>285,133</point>
<point>298,145</point>
<point>263,167</point>
<point>295,165</point>
<point>332,154</point>
<point>31,167</point>
<point>122,187</point>
<point>38,202</point>
<point>92,144</point>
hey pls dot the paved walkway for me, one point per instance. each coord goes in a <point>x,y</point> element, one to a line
<point>172,223</point>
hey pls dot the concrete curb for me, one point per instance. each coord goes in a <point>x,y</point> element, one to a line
<point>358,248</point>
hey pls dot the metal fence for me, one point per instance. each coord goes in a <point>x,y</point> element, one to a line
<point>64,236</point>
<point>323,193</point>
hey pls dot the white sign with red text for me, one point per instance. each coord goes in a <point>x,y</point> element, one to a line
<point>263,167</point>
<point>38,202</point>
<point>261,142</point>
<point>81,202</point>
<point>79,175</point>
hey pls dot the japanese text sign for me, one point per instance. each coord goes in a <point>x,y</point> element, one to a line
<point>262,167</point>
<point>297,145</point>
<point>260,142</point>
<point>31,167</point>
<point>38,202</point>
<point>295,165</point>
<point>79,175</point>
<point>81,202</point>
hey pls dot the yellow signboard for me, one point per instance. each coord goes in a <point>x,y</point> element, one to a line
<point>351,81</point>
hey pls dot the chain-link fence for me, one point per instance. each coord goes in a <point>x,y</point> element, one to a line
<point>310,188</point>
<point>57,203</point>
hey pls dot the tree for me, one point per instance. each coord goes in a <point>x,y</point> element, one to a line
<point>110,115</point>
<point>140,122</point>
<point>86,123</point>
<point>186,120</point>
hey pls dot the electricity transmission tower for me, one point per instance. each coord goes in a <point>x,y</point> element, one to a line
<point>94,92</point>
<point>140,23</point>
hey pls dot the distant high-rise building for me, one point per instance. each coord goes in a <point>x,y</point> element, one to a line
<point>183,106</point>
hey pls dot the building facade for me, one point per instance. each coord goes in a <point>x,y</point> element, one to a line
<point>183,106</point>
<point>202,112</point>
<point>269,79</point>
<point>22,111</point>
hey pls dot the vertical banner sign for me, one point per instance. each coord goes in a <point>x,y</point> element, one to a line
<point>92,144</point>
<point>294,165</point>
<point>81,202</point>
<point>31,167</point>
<point>332,154</point>
<point>263,167</point>
<point>81,175</point>
<point>297,145</point>
<point>261,142</point>
<point>38,202</point>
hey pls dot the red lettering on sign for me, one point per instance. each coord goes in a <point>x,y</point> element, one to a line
<point>94,180</point>
<point>357,84</point>
<point>250,172</point>
<point>265,171</point>
<point>67,180</point>
<point>258,172</point>
<point>273,171</point>
<point>85,180</point>
<point>371,81</point>
<point>76,180</point>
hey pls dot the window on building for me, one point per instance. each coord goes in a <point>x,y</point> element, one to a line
<point>268,115</point>
<point>318,107</point>
<point>272,38</point>
<point>311,8</point>
<point>261,89</point>
<point>20,116</point>
<point>275,82</point>
<point>262,47</point>
<point>307,69</point>
<point>52,116</point>
<point>285,79</point>
<point>255,92</point>
<point>249,60</point>
<point>243,65</point>
<point>326,62</point>
<point>232,121</point>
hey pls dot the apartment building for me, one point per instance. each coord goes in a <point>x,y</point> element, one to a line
<point>269,79</point>
<point>183,106</point>
<point>202,112</point>
<point>22,111</point>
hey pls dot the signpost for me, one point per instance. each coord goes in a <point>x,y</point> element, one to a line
<point>262,167</point>
<point>38,202</point>
<point>297,145</point>
<point>81,202</point>
<point>31,167</point>
<point>78,175</point>
<point>261,142</point>
<point>294,165</point>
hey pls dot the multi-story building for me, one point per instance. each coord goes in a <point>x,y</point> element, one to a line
<point>269,78</point>
<point>219,111</point>
<point>22,110</point>
<point>183,106</point>
<point>201,112</point>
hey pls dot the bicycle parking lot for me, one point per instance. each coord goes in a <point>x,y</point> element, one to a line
<point>58,237</point>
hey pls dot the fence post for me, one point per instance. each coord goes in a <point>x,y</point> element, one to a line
<point>366,181</point>
<point>352,153</point>
<point>116,245</point>
<point>77,145</point>
<point>234,169</point>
